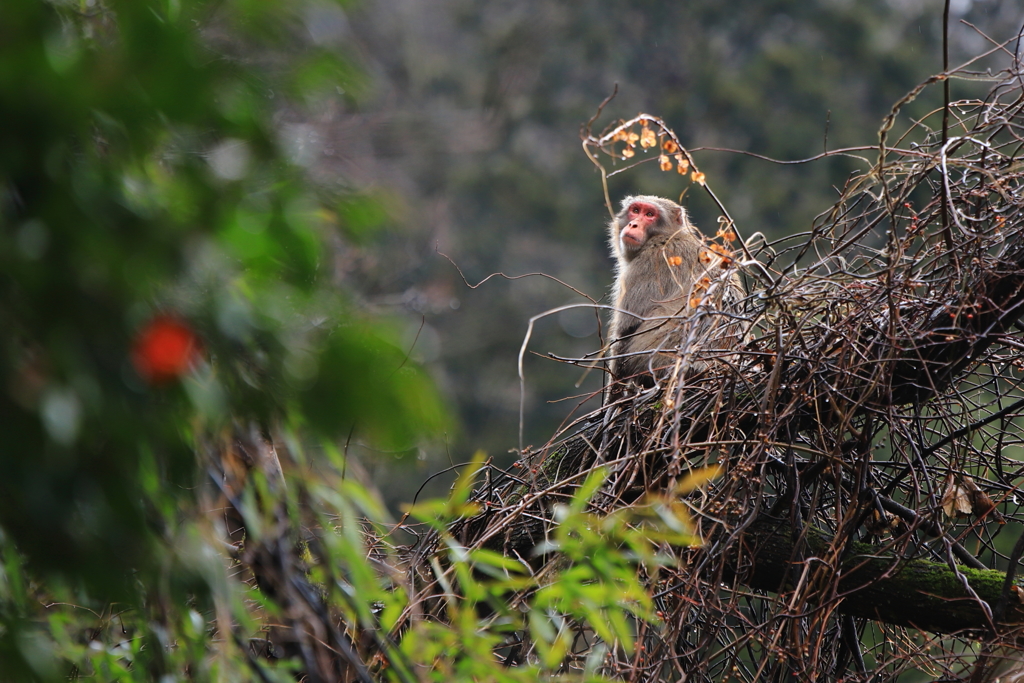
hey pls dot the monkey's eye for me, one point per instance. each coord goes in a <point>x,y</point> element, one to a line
<point>635,209</point>
<point>650,214</point>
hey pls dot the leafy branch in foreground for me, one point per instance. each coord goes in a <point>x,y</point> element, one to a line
<point>163,284</point>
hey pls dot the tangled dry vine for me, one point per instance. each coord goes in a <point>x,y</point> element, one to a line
<point>869,430</point>
<point>869,434</point>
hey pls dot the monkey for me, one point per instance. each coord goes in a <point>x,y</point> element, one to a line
<point>663,273</point>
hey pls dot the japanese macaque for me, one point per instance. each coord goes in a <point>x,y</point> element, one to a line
<point>668,286</point>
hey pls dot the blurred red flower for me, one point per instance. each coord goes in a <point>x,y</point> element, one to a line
<point>164,349</point>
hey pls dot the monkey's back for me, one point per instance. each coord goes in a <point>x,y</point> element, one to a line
<point>654,317</point>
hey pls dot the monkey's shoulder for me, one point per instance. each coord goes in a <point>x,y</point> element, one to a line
<point>687,243</point>
<point>689,235</point>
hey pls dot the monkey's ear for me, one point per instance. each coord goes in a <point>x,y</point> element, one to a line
<point>678,215</point>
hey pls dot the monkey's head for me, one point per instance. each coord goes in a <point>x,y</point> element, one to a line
<point>643,218</point>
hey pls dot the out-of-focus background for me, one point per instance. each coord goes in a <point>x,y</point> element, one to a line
<point>468,122</point>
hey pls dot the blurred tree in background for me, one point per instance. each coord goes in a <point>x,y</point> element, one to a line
<point>163,276</point>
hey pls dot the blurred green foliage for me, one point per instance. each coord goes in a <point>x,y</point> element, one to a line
<point>140,177</point>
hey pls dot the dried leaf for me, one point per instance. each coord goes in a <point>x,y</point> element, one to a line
<point>705,257</point>
<point>956,501</point>
<point>631,138</point>
<point>675,260</point>
<point>979,501</point>
<point>648,138</point>
<point>628,152</point>
<point>619,136</point>
<point>726,234</point>
<point>723,253</point>
<point>664,162</point>
<point>683,164</point>
<point>983,505</point>
<point>669,145</point>
<point>697,177</point>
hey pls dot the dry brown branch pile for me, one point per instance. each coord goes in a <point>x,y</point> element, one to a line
<point>870,429</point>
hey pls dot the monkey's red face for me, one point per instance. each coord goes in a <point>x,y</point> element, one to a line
<point>642,217</point>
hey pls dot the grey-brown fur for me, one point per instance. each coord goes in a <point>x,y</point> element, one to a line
<point>656,280</point>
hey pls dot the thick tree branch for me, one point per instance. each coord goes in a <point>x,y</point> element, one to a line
<point>878,585</point>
